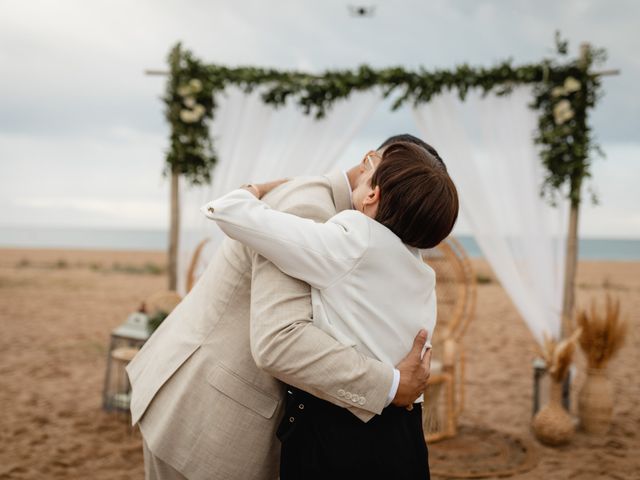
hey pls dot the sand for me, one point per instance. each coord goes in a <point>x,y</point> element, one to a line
<point>58,307</point>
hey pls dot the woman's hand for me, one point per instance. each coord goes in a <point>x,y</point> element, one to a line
<point>261,189</point>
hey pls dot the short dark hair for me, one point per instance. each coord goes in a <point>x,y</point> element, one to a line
<point>407,137</point>
<point>418,199</point>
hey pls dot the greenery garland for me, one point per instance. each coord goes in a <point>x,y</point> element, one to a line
<point>564,93</point>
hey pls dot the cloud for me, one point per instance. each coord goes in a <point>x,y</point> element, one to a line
<point>51,180</point>
<point>94,211</point>
<point>78,65</point>
<point>80,120</point>
<point>615,181</point>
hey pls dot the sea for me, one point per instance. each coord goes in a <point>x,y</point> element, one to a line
<point>121,239</point>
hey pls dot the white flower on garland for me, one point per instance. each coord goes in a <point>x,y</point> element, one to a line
<point>195,85</point>
<point>188,116</point>
<point>562,112</point>
<point>192,116</point>
<point>571,85</point>
<point>189,102</point>
<point>184,90</point>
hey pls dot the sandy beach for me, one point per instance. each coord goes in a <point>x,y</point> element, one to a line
<point>58,307</point>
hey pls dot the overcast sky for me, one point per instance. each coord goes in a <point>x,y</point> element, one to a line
<point>82,133</point>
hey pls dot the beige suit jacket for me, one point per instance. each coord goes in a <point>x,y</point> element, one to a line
<point>204,392</point>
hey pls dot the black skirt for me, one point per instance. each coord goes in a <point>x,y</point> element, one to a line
<point>321,441</point>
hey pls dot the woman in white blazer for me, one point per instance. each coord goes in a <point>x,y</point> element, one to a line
<point>370,290</point>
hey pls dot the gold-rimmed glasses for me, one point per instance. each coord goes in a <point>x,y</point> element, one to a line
<point>370,156</point>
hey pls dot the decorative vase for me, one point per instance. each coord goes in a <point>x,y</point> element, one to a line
<point>595,402</point>
<point>553,425</point>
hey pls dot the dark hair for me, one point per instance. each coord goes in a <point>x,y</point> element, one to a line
<point>407,137</point>
<point>418,199</point>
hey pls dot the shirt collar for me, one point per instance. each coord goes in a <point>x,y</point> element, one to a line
<point>346,179</point>
<point>341,190</point>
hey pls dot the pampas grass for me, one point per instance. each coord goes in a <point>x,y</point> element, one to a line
<point>558,355</point>
<point>602,333</point>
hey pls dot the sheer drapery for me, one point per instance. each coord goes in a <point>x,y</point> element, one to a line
<point>487,144</point>
<point>256,142</point>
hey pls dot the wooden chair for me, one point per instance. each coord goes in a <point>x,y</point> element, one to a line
<point>456,293</point>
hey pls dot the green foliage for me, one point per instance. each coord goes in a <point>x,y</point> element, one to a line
<point>61,264</point>
<point>189,101</point>
<point>563,99</point>
<point>483,279</point>
<point>156,320</point>
<point>564,93</point>
<point>149,268</point>
<point>24,263</point>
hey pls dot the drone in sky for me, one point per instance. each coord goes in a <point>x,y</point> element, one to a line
<point>362,11</point>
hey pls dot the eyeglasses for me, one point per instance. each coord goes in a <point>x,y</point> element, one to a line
<point>369,157</point>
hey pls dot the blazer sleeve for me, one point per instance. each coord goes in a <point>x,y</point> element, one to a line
<point>284,340</point>
<point>316,253</point>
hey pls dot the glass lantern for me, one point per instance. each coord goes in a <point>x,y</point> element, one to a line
<point>126,341</point>
<point>541,386</point>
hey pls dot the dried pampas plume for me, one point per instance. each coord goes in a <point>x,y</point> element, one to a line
<point>558,355</point>
<point>602,334</point>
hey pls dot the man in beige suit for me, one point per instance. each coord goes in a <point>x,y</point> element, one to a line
<point>207,386</point>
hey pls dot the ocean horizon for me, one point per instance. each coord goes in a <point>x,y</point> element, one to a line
<point>590,248</point>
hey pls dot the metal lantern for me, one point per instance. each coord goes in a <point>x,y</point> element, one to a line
<point>126,341</point>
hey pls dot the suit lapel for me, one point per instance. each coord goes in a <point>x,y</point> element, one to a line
<point>340,190</point>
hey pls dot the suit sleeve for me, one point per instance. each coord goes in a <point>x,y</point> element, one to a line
<point>286,344</point>
<point>317,253</point>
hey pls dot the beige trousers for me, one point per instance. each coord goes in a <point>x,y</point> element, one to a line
<point>156,469</point>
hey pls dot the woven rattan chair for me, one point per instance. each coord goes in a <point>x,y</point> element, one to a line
<point>195,262</point>
<point>162,301</point>
<point>456,292</point>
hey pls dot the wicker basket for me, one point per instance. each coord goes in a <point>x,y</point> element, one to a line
<point>553,425</point>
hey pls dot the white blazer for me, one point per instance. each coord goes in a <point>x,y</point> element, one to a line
<point>369,290</point>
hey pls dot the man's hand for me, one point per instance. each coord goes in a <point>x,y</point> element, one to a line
<point>414,372</point>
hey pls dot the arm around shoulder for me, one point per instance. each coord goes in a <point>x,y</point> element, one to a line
<point>285,343</point>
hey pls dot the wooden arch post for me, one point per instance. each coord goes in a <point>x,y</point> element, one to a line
<point>571,260</point>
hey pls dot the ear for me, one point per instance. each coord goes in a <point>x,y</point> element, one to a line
<point>373,197</point>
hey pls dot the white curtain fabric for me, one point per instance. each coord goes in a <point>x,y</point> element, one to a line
<point>256,142</point>
<point>487,144</point>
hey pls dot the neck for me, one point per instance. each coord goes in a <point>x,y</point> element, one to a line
<point>352,175</point>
